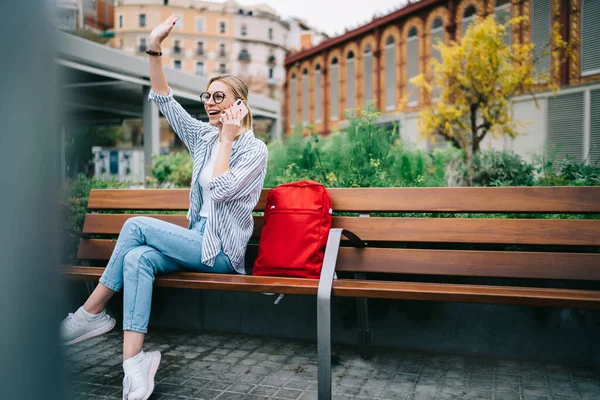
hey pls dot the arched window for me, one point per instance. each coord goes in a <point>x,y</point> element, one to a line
<point>412,64</point>
<point>350,80</point>
<point>437,36</point>
<point>502,13</point>
<point>293,97</point>
<point>390,73</point>
<point>334,76</point>
<point>367,75</point>
<point>318,89</point>
<point>305,96</point>
<point>468,17</point>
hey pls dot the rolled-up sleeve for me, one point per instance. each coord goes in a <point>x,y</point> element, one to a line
<point>184,125</point>
<point>240,179</point>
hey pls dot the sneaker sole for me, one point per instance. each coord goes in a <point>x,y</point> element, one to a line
<point>96,332</point>
<point>152,374</point>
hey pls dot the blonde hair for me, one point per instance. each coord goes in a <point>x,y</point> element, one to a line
<point>240,91</point>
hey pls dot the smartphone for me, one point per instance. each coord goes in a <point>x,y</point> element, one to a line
<point>238,106</point>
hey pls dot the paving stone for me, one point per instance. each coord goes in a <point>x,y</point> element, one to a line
<point>222,366</point>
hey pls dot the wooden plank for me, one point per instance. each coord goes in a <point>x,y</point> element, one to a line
<point>471,199</point>
<point>474,230</point>
<point>509,264</point>
<point>194,280</point>
<point>468,293</point>
<point>501,199</point>
<point>111,224</point>
<point>577,266</point>
<point>369,289</point>
<point>434,230</point>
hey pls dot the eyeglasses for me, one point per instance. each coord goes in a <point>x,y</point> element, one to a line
<point>218,97</point>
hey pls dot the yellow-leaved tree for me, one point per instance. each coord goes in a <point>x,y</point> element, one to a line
<point>475,81</point>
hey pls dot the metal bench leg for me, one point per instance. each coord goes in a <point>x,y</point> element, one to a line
<point>324,314</point>
<point>364,332</point>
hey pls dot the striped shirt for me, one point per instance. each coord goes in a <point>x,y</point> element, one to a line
<point>234,194</point>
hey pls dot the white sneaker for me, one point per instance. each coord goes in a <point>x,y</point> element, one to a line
<point>77,327</point>
<point>138,383</point>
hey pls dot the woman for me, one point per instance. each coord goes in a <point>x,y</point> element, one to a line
<point>228,175</point>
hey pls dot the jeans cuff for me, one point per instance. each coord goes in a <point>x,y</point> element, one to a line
<point>109,284</point>
<point>132,328</point>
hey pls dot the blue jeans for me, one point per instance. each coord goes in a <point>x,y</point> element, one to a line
<point>147,247</point>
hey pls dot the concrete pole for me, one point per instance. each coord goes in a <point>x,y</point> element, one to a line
<point>151,129</point>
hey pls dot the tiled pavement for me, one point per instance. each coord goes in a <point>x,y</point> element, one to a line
<point>209,366</point>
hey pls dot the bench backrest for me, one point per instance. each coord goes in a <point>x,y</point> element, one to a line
<point>436,244</point>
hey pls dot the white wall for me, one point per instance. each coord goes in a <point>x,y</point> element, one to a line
<point>533,137</point>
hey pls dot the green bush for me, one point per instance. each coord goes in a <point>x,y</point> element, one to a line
<point>568,173</point>
<point>77,193</point>
<point>172,170</point>
<point>500,168</point>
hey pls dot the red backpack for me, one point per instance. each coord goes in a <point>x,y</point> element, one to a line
<point>297,223</point>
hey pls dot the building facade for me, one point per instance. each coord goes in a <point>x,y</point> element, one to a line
<point>211,38</point>
<point>375,62</point>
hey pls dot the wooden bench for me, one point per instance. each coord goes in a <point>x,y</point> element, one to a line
<point>434,250</point>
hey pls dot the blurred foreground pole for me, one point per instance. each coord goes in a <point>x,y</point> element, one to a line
<point>30,295</point>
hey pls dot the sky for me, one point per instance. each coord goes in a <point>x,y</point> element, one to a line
<point>330,16</point>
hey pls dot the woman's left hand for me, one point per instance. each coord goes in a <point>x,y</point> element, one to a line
<point>230,125</point>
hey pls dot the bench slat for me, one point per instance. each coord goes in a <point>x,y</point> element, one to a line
<point>370,289</point>
<point>191,280</point>
<point>435,230</point>
<point>577,266</point>
<point>501,199</point>
<point>468,293</point>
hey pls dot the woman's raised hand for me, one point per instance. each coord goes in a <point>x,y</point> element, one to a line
<point>159,33</point>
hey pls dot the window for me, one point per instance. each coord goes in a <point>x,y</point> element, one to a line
<point>540,32</point>
<point>270,33</point>
<point>590,38</point>
<point>244,30</point>
<point>318,89</point>
<point>502,12</point>
<point>222,50</point>
<point>270,73</point>
<point>222,69</point>
<point>200,48</point>
<point>468,17</point>
<point>367,76</point>
<point>177,46</point>
<point>334,74</point>
<point>437,36</point>
<point>142,20</point>
<point>120,21</point>
<point>142,45</point>
<point>244,55</point>
<point>177,65</point>
<point>200,68</point>
<point>166,2</point>
<point>390,73</point>
<point>412,65</point>
<point>199,24</point>
<point>305,96</point>
<point>222,27</point>
<point>593,156</point>
<point>293,97</point>
<point>350,80</point>
<point>565,126</point>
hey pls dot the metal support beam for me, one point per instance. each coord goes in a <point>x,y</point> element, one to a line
<point>151,131</point>
<point>324,307</point>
